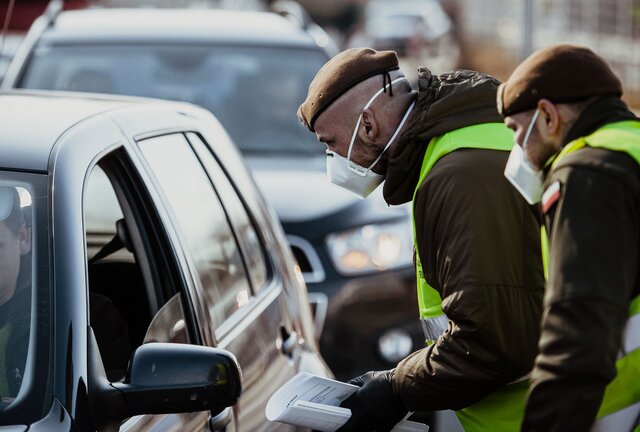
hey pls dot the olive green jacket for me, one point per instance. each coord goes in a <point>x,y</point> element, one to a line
<point>594,230</point>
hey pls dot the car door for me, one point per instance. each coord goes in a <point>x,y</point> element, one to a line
<point>236,281</point>
<point>138,281</point>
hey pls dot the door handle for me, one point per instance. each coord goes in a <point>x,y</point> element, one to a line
<point>289,341</point>
<point>221,420</point>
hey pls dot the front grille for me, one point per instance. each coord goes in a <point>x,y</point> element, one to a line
<point>307,258</point>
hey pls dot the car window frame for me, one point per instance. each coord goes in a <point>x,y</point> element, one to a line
<point>178,226</point>
<point>268,263</point>
<point>271,290</point>
<point>273,286</point>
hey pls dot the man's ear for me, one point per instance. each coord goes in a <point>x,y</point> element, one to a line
<point>24,240</point>
<point>369,125</point>
<point>550,116</point>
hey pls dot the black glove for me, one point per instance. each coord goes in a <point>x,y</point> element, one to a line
<point>373,407</point>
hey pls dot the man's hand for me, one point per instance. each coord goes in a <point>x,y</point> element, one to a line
<point>373,407</point>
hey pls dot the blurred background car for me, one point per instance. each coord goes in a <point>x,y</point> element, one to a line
<point>252,70</point>
<point>152,259</point>
<point>418,30</point>
<point>8,46</point>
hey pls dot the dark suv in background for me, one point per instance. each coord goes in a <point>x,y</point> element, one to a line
<point>252,70</point>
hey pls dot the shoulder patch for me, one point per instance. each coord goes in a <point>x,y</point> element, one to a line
<point>550,196</point>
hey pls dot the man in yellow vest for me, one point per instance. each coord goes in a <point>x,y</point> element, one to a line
<point>579,156</point>
<point>477,241</point>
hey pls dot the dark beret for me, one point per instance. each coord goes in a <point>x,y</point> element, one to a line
<point>559,73</point>
<point>339,74</point>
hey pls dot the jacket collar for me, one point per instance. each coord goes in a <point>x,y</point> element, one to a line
<point>444,103</point>
<point>601,112</point>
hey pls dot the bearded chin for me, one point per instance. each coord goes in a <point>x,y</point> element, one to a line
<point>548,149</point>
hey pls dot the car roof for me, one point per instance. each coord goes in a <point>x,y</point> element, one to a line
<point>176,25</point>
<point>31,123</point>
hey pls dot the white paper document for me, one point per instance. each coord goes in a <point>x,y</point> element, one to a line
<point>311,401</point>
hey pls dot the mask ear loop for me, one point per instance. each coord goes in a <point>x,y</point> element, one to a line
<point>395,134</point>
<point>530,128</point>
<point>367,105</point>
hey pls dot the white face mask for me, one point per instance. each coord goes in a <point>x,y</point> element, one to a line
<point>349,175</point>
<point>521,172</point>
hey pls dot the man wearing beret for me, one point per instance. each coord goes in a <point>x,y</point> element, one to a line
<point>579,155</point>
<point>477,241</point>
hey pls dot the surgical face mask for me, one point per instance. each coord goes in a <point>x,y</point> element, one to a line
<point>349,175</point>
<point>521,172</point>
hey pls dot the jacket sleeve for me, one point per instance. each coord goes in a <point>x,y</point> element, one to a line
<point>593,268</point>
<point>479,245</point>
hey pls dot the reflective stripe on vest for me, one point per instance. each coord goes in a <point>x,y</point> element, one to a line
<point>620,407</point>
<point>501,411</point>
<point>544,248</point>
<point>622,420</point>
<point>488,136</point>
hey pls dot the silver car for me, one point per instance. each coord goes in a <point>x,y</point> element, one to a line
<point>151,271</point>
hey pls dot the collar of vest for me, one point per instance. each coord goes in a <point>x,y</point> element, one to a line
<point>601,112</point>
<point>623,136</point>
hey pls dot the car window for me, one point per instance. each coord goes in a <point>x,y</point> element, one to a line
<point>247,235</point>
<point>23,285</point>
<point>202,221</point>
<point>254,91</point>
<point>168,325</point>
<point>123,304</point>
<point>101,212</point>
<point>15,287</point>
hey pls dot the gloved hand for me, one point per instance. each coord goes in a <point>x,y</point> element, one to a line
<point>373,407</point>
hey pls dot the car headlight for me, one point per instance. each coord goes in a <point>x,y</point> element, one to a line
<point>394,345</point>
<point>371,248</point>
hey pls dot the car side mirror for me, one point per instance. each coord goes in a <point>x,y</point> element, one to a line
<point>164,378</point>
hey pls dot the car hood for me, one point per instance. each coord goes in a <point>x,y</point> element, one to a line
<point>298,188</point>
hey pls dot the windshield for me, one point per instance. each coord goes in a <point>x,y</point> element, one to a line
<point>20,326</point>
<point>254,91</point>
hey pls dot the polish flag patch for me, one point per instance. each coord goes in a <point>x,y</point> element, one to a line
<point>550,196</point>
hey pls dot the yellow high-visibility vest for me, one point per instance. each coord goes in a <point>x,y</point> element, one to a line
<point>502,411</point>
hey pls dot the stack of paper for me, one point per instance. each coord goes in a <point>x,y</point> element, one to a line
<point>314,402</point>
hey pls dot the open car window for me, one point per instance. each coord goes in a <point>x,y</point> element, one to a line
<point>130,287</point>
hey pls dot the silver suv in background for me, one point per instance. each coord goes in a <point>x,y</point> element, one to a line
<point>252,70</point>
